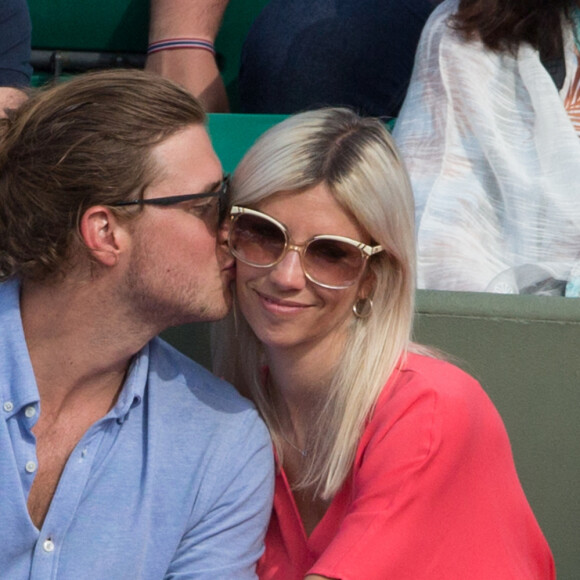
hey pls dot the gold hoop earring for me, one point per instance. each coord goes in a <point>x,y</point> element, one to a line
<point>363,307</point>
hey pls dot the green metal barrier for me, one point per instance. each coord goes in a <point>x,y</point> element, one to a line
<point>91,25</point>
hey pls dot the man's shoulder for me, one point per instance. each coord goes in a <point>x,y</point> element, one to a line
<point>192,414</point>
<point>177,376</point>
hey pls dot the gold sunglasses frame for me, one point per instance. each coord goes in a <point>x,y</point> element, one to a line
<point>366,250</point>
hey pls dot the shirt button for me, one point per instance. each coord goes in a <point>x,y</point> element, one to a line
<point>30,466</point>
<point>30,412</point>
<point>48,545</point>
<point>8,406</point>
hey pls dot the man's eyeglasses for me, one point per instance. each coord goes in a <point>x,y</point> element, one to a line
<point>259,240</point>
<point>221,195</point>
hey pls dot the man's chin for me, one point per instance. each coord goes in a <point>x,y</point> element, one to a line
<point>218,309</point>
<point>228,301</point>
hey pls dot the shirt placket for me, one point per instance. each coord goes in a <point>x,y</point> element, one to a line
<point>64,505</point>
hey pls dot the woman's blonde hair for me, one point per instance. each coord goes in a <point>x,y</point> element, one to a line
<point>357,160</point>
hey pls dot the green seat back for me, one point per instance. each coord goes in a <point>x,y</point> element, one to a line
<point>91,25</point>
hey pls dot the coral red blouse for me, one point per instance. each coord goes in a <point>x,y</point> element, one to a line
<point>433,494</point>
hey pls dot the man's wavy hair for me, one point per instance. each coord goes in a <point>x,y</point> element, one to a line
<point>74,145</point>
<point>505,24</point>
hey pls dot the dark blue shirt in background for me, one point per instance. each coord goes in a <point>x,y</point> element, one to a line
<point>303,54</point>
<point>15,42</point>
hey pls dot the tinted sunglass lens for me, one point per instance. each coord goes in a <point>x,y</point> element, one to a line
<point>256,240</point>
<point>333,263</point>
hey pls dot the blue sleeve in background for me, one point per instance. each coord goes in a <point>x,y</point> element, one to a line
<point>15,44</point>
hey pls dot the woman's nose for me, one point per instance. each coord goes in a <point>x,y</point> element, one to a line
<point>289,273</point>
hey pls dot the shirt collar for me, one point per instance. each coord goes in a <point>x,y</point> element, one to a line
<point>17,381</point>
<point>18,386</point>
<point>134,387</point>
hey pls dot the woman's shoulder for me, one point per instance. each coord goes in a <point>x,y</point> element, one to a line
<point>439,25</point>
<point>431,407</point>
<point>431,370</point>
<point>443,45</point>
<point>422,382</point>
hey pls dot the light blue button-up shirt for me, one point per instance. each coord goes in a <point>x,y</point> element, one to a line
<point>175,481</point>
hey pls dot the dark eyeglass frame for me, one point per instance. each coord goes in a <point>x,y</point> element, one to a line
<point>221,193</point>
<point>365,249</point>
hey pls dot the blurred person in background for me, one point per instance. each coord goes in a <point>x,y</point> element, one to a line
<point>489,133</point>
<point>298,54</point>
<point>15,69</point>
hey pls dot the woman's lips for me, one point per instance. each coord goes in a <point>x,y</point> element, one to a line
<point>280,305</point>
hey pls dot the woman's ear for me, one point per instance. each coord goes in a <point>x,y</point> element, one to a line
<point>102,234</point>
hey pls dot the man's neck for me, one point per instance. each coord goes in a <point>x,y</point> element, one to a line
<point>79,344</point>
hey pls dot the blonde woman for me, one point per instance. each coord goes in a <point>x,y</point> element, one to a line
<point>391,462</point>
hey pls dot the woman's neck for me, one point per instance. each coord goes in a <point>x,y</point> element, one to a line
<point>305,369</point>
<point>301,376</point>
<point>297,388</point>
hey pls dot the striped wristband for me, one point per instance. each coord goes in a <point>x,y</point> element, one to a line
<point>173,43</point>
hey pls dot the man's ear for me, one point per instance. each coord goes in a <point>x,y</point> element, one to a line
<point>102,234</point>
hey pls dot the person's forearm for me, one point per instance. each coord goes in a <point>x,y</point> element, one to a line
<point>194,68</point>
<point>185,18</point>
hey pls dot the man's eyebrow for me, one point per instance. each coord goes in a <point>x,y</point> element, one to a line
<point>213,186</point>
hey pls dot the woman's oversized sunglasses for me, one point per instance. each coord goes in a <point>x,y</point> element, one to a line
<point>259,240</point>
